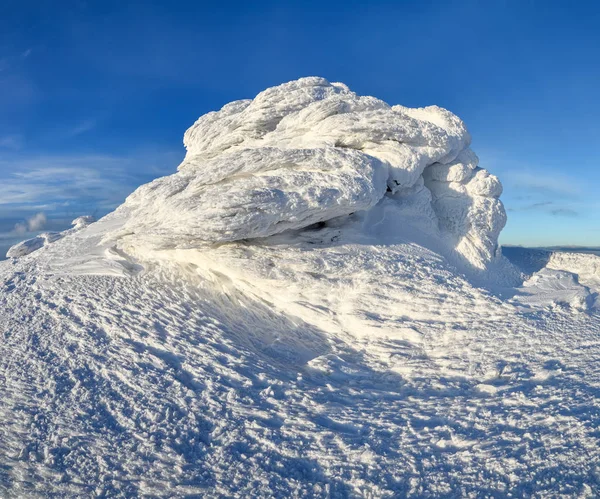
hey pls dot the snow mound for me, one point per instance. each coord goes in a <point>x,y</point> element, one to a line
<point>550,287</point>
<point>30,245</point>
<point>557,278</point>
<point>586,266</point>
<point>310,151</point>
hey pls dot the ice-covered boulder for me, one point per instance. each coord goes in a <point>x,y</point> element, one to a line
<point>30,245</point>
<point>310,151</point>
<point>82,222</point>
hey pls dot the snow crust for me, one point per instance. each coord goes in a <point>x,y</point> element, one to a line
<point>310,151</point>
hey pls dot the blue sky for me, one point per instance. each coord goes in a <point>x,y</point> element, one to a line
<point>95,96</point>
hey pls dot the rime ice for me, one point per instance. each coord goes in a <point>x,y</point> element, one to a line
<point>310,151</point>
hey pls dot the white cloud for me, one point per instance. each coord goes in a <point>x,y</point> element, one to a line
<point>37,221</point>
<point>32,224</point>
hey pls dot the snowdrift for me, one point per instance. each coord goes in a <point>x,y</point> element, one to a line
<point>557,278</point>
<point>310,151</point>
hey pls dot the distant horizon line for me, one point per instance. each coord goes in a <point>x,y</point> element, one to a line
<point>554,247</point>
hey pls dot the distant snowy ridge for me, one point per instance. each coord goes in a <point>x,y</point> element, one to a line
<point>310,151</point>
<point>30,245</point>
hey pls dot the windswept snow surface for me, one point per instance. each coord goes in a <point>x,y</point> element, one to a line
<point>313,306</point>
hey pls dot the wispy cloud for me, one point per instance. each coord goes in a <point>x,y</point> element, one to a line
<point>532,206</point>
<point>12,141</point>
<point>564,212</point>
<point>548,207</point>
<point>84,126</point>
<point>532,192</point>
<point>97,181</point>
<point>11,60</point>
<point>101,179</point>
<point>34,223</point>
<point>544,182</point>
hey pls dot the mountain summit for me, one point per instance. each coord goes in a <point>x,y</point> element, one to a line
<point>314,305</point>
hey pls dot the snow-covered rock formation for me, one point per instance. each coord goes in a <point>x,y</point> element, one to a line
<point>310,151</point>
<point>293,314</point>
<point>30,245</point>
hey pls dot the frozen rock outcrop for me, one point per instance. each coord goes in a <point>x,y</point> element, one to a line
<point>310,151</point>
<point>30,245</point>
<point>465,200</point>
<point>82,222</point>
